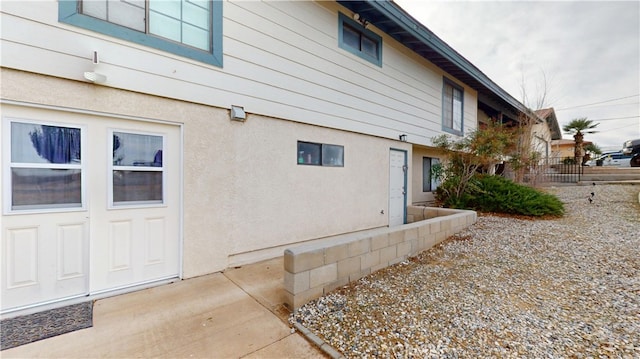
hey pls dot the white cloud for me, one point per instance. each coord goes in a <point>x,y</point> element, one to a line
<point>589,52</point>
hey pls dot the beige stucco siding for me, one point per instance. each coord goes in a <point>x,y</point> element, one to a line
<point>244,192</point>
<point>280,202</point>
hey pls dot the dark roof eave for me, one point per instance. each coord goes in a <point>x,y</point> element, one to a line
<point>548,115</point>
<point>555,127</point>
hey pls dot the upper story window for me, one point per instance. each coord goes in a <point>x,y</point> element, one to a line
<point>452,108</point>
<point>355,38</point>
<point>189,28</point>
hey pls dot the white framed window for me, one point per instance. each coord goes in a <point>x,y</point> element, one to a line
<point>44,171</point>
<point>452,108</point>
<point>137,171</point>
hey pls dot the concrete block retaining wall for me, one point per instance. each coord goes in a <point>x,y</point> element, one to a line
<point>420,213</point>
<point>315,269</point>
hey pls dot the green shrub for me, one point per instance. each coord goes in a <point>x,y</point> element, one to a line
<point>498,194</point>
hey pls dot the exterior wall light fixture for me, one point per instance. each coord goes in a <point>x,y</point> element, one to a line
<point>403,137</point>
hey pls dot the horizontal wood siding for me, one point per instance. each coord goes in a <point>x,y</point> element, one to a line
<point>281,59</point>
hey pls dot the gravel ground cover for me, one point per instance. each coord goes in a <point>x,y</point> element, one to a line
<point>504,288</point>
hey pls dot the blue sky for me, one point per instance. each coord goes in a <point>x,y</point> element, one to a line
<point>583,55</point>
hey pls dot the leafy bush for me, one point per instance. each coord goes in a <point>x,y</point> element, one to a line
<point>498,194</point>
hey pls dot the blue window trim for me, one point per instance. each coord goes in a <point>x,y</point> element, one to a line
<point>342,19</point>
<point>68,13</point>
<point>446,82</point>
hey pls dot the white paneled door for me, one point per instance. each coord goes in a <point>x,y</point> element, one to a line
<point>397,186</point>
<point>44,258</point>
<point>135,229</point>
<point>90,204</point>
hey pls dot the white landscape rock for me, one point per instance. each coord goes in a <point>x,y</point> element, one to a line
<point>503,288</point>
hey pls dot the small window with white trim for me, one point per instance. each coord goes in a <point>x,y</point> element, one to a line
<point>45,167</point>
<point>137,170</point>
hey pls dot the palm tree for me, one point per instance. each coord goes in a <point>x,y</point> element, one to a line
<point>578,127</point>
<point>591,151</point>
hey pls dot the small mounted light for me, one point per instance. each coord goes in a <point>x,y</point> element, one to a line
<point>95,77</point>
<point>237,113</point>
<point>403,137</point>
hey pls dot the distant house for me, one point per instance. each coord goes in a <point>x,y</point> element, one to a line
<point>149,142</point>
<point>545,131</point>
<point>565,148</point>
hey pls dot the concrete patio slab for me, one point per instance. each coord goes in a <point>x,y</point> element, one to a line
<point>264,282</point>
<point>230,315</point>
<point>292,346</point>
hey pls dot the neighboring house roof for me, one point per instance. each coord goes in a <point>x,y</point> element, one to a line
<point>567,142</point>
<point>393,20</point>
<point>549,115</point>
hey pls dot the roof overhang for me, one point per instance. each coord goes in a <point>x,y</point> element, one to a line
<point>397,23</point>
<point>555,128</point>
<point>548,115</point>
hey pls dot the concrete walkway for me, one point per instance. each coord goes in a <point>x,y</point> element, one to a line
<point>235,314</point>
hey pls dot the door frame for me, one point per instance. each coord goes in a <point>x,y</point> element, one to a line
<point>405,182</point>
